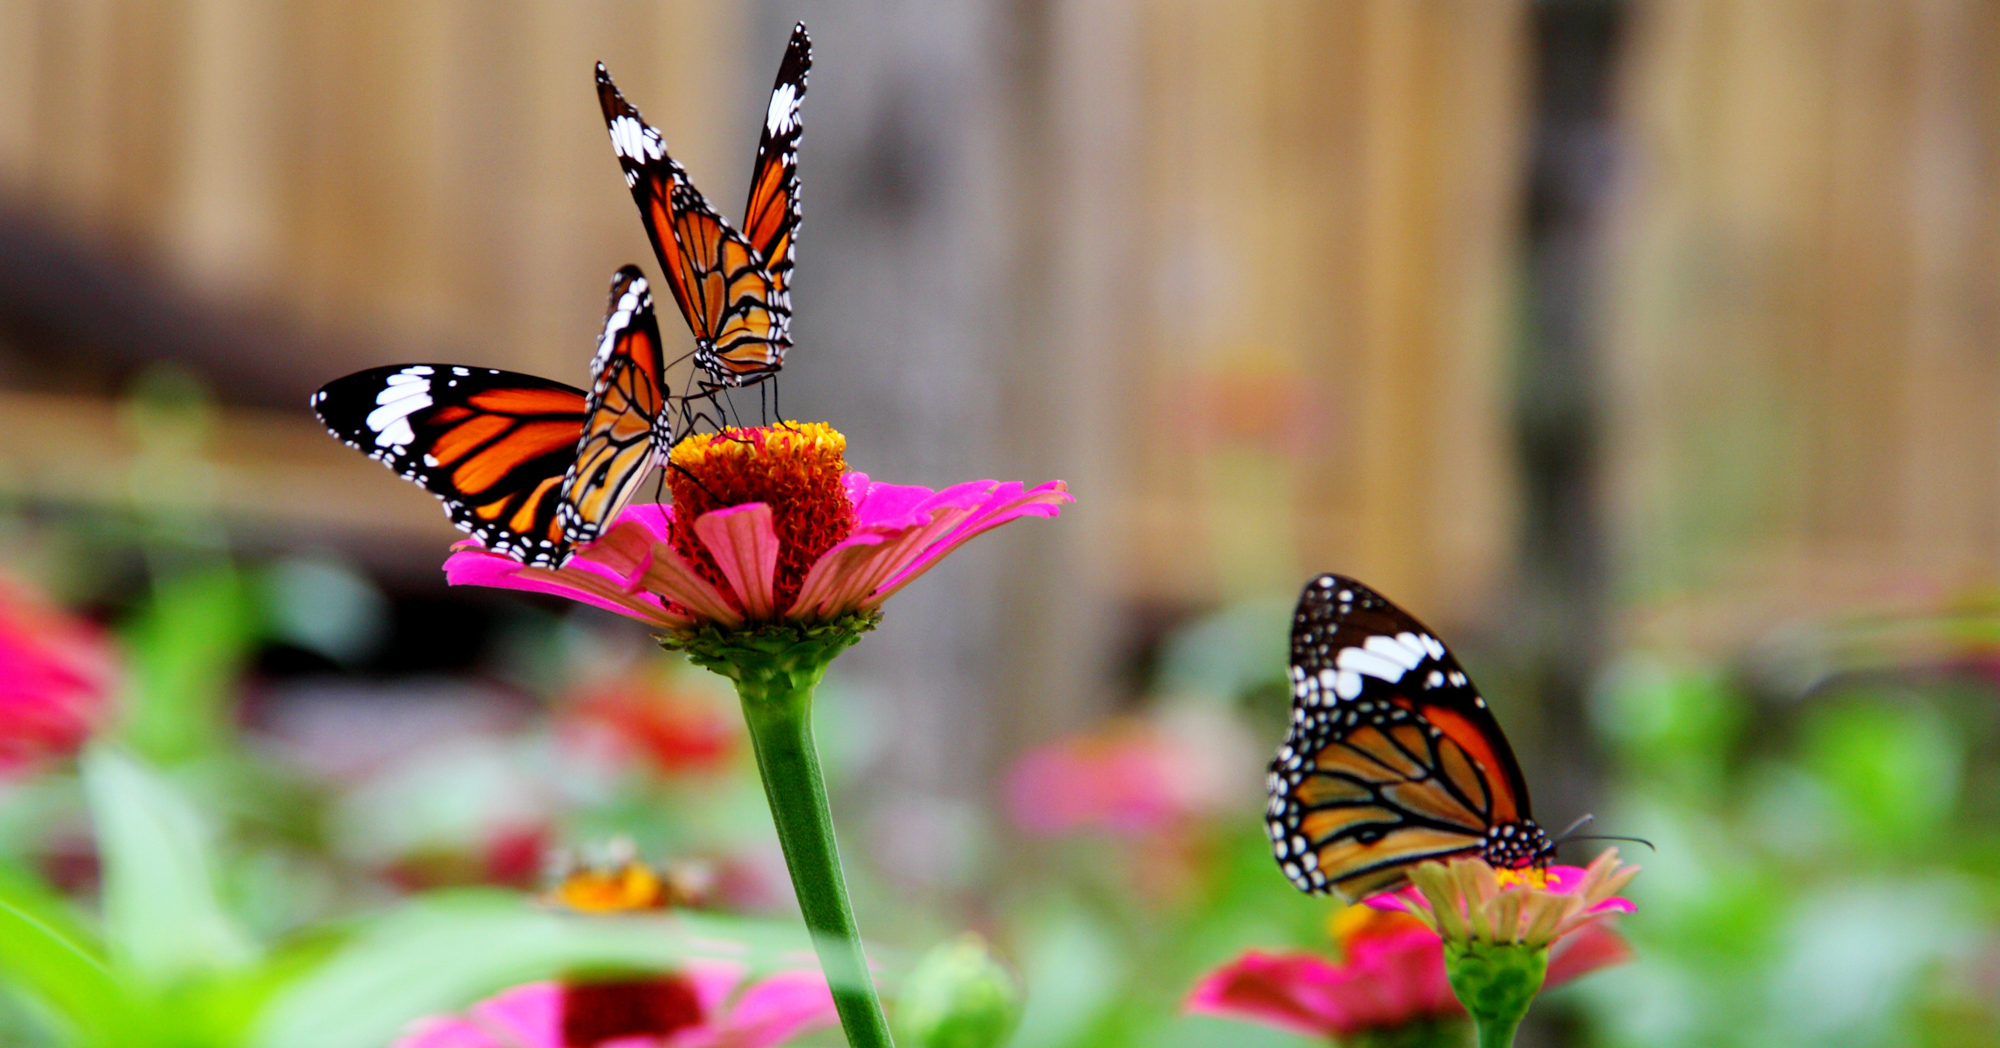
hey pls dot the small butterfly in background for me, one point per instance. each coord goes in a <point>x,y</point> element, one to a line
<point>531,467</point>
<point>733,287</point>
<point>1392,759</point>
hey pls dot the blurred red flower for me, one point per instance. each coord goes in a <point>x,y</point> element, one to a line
<point>639,716</point>
<point>1391,974</point>
<point>57,676</point>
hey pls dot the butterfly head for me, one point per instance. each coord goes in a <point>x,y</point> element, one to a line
<point>1518,845</point>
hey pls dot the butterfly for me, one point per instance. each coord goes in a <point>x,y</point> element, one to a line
<point>531,467</point>
<point>1393,757</point>
<point>733,287</point>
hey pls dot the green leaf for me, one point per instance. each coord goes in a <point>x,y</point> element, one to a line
<point>44,952</point>
<point>161,914</point>
<point>186,649</point>
<point>442,954</point>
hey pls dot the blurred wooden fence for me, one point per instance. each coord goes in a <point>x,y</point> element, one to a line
<point>1804,335</point>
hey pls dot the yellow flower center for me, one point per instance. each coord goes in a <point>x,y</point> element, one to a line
<point>621,889</point>
<point>794,468</point>
<point>1530,876</point>
<point>1361,921</point>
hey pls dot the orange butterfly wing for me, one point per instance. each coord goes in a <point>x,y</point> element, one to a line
<point>1392,759</point>
<point>734,291</point>
<point>491,445</point>
<point>624,431</point>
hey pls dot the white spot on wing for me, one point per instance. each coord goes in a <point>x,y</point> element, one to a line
<point>784,112</point>
<point>1361,660</point>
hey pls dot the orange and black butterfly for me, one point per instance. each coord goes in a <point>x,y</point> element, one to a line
<point>1393,757</point>
<point>530,467</point>
<point>733,287</point>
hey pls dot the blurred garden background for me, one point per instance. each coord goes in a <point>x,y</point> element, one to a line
<point>1648,349</point>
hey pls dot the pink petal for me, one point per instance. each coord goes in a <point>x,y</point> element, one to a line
<point>745,546</point>
<point>1292,992</point>
<point>903,548</point>
<point>713,982</point>
<point>1005,504</point>
<point>876,503</point>
<point>577,581</point>
<point>829,585</point>
<point>528,1016</point>
<point>1584,951</point>
<point>672,577</point>
<point>446,1031</point>
<point>779,1008</point>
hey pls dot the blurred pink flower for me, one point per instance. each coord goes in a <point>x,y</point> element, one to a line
<point>57,675</point>
<point>638,716</point>
<point>901,532</point>
<point>700,1007</point>
<point>1128,778</point>
<point>1391,974</point>
<point>1124,780</point>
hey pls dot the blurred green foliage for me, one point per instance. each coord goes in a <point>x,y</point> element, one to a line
<point>1819,877</point>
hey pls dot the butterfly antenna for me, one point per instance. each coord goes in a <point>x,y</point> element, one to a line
<point>1600,837</point>
<point>1581,821</point>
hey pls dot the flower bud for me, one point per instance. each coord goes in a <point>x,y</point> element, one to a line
<point>957,996</point>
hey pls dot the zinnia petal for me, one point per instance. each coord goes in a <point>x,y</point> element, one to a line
<point>1292,992</point>
<point>745,547</point>
<point>1004,504</point>
<point>778,1008</point>
<point>578,580</point>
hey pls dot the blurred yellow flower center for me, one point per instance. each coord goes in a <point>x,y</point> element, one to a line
<point>1533,877</point>
<point>1361,921</point>
<point>622,889</point>
<point>795,468</point>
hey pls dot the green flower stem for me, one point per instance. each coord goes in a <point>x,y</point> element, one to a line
<point>775,668</point>
<point>1496,982</point>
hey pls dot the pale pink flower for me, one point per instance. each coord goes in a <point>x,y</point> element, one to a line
<point>1127,778</point>
<point>1468,900</point>
<point>900,532</point>
<point>703,1006</point>
<point>57,676</point>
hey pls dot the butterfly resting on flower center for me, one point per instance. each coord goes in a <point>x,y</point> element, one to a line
<point>1392,758</point>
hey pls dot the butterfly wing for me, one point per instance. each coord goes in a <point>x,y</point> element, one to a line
<point>624,417</point>
<point>740,316</point>
<point>1393,757</point>
<point>493,446</point>
<point>772,216</point>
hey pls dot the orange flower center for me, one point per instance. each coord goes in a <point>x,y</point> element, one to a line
<point>795,468</point>
<point>622,889</point>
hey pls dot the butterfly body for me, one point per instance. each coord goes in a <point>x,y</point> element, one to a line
<point>530,467</point>
<point>1392,758</point>
<point>733,287</point>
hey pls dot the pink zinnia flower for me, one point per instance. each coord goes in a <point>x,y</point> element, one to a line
<point>1127,778</point>
<point>698,1007</point>
<point>57,675</point>
<point>766,526</point>
<point>1391,974</point>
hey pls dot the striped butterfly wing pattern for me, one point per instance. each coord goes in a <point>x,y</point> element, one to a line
<point>1392,758</point>
<point>627,425</point>
<point>530,467</point>
<point>734,290</point>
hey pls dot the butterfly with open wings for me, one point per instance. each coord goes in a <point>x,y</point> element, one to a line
<point>531,467</point>
<point>733,287</point>
<point>1392,759</point>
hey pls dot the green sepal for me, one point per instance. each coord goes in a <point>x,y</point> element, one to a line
<point>1496,982</point>
<point>772,657</point>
